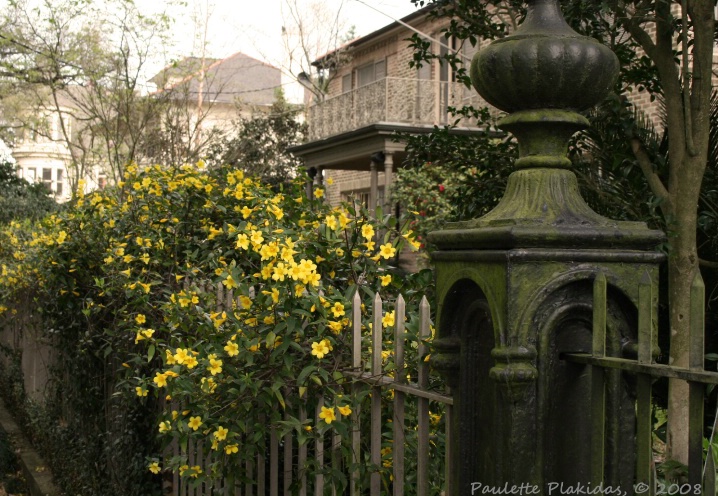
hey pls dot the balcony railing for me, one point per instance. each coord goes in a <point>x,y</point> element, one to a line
<point>406,101</point>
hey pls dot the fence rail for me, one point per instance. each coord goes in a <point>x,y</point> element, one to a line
<point>281,467</point>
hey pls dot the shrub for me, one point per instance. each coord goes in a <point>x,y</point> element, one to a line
<point>128,281</point>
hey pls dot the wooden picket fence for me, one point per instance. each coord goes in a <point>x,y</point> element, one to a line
<point>282,467</point>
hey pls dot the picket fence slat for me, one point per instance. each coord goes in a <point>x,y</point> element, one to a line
<point>400,377</point>
<point>354,488</point>
<point>302,457</point>
<point>273,462</point>
<point>288,459</point>
<point>376,371</point>
<point>319,453</point>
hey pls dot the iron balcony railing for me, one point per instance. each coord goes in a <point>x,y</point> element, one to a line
<point>399,100</point>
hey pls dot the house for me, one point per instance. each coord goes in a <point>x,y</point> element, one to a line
<point>197,101</point>
<point>218,89</point>
<point>41,150</point>
<point>372,96</point>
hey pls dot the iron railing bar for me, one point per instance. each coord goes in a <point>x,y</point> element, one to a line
<point>644,426</point>
<point>598,384</point>
<point>652,369</point>
<point>412,388</point>
<point>422,479</point>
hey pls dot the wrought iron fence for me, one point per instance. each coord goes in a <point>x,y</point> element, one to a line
<point>646,371</point>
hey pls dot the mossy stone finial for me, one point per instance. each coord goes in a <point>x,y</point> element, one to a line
<point>544,65</point>
<point>544,73</point>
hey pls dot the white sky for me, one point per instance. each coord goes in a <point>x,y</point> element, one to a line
<point>254,27</point>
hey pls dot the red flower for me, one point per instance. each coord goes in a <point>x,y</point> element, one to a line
<point>441,188</point>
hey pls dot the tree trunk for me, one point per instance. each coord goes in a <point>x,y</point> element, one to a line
<point>683,262</point>
<point>688,128</point>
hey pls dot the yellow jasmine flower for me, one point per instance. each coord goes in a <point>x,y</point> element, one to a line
<point>242,241</point>
<point>338,310</point>
<point>221,433</point>
<point>194,423</point>
<point>231,348</point>
<point>320,349</point>
<point>190,362</point>
<point>154,467</point>
<point>140,319</point>
<point>141,391</point>
<point>388,319</point>
<point>344,410</point>
<point>231,448</point>
<point>387,250</point>
<point>215,366</point>
<point>331,222</point>
<point>160,379</point>
<point>165,426</point>
<point>229,282</point>
<point>318,193</point>
<point>385,280</point>
<point>367,230</point>
<point>181,355</point>
<point>328,415</point>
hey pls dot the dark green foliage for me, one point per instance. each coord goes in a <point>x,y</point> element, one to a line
<point>450,177</point>
<point>21,200</point>
<point>258,144</point>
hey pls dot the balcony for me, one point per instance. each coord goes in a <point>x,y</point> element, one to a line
<point>390,100</point>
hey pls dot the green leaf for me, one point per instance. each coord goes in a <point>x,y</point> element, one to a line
<point>150,352</point>
<point>306,371</point>
<point>279,397</point>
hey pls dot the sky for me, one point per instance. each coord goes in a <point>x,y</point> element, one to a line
<point>254,27</point>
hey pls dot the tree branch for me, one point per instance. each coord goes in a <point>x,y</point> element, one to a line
<point>654,181</point>
<point>708,264</point>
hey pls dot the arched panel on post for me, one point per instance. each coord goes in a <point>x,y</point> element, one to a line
<point>564,324</point>
<point>468,336</point>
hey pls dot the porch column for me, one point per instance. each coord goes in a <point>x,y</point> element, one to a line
<point>388,180</point>
<point>374,187</point>
<point>311,172</point>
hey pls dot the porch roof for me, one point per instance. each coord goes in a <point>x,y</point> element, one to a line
<point>352,150</point>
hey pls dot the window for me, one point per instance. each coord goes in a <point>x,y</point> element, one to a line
<point>371,72</point>
<point>31,174</point>
<point>347,83</point>
<point>59,186</point>
<point>47,178</point>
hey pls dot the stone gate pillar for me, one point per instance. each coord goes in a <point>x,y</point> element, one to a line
<point>515,287</point>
